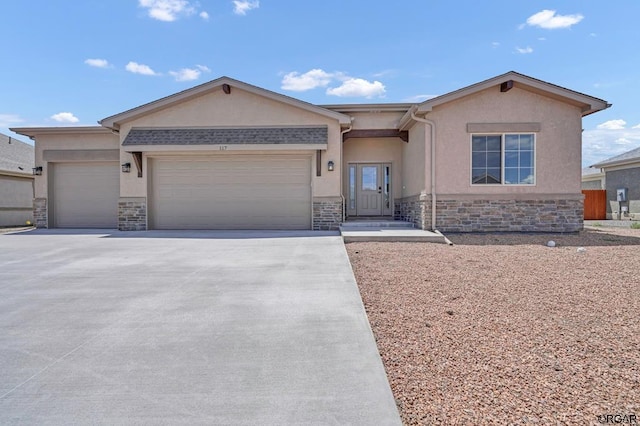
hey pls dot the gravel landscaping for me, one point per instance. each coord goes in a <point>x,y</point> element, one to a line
<point>501,329</point>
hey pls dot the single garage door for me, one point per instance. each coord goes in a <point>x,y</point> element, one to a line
<point>231,192</point>
<point>85,195</point>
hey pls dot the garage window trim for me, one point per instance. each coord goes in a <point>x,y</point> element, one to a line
<point>503,159</point>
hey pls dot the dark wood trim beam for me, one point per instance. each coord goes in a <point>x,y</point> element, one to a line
<point>319,162</point>
<point>377,133</point>
<point>506,86</point>
<point>137,158</point>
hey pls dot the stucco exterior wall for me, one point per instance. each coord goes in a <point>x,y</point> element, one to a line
<point>558,144</point>
<point>416,158</point>
<point>237,109</point>
<point>375,120</point>
<point>375,150</point>
<point>67,141</point>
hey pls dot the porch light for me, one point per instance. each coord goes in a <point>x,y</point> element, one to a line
<point>126,168</point>
<point>37,171</point>
<point>330,166</point>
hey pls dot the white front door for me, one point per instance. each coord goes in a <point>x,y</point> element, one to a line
<point>369,189</point>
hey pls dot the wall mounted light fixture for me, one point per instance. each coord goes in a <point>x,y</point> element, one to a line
<point>37,171</point>
<point>330,166</point>
<point>126,168</point>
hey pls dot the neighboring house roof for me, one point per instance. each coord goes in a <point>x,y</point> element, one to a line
<point>222,83</point>
<point>588,104</point>
<point>590,171</point>
<point>218,136</point>
<point>16,157</point>
<point>628,157</point>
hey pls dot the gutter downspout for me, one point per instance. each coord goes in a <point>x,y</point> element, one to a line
<point>344,202</point>
<point>433,165</point>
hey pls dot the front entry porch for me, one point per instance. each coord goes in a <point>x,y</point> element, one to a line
<point>388,230</point>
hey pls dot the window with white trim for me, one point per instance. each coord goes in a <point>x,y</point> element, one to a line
<point>505,159</point>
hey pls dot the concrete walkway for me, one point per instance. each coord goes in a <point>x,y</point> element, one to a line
<point>238,328</point>
<point>389,231</point>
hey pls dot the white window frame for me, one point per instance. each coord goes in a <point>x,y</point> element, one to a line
<point>502,159</point>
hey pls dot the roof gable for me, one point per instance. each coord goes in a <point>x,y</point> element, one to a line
<point>225,84</point>
<point>588,104</point>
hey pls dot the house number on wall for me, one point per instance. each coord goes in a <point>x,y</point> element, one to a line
<point>223,147</point>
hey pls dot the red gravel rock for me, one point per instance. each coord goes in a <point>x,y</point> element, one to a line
<point>500,328</point>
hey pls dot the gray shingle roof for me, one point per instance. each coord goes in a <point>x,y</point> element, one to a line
<point>15,156</point>
<point>634,154</point>
<point>226,136</point>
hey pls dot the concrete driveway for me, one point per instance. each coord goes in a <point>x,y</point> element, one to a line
<point>259,328</point>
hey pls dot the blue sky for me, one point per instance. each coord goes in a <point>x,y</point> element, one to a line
<point>76,62</point>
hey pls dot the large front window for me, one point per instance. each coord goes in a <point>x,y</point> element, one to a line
<point>507,159</point>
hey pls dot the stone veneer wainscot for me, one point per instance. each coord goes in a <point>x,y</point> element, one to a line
<point>545,215</point>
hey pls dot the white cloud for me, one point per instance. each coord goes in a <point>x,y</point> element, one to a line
<point>98,63</point>
<point>636,126</point>
<point>601,144</point>
<point>186,74</point>
<point>542,39</point>
<point>241,7</point>
<point>349,86</point>
<point>549,20</point>
<point>8,120</point>
<point>203,68</point>
<point>612,125</point>
<point>204,15</point>
<point>495,44</point>
<point>357,87</point>
<point>137,68</point>
<point>65,117</point>
<point>525,50</point>
<point>297,82</point>
<point>167,10</point>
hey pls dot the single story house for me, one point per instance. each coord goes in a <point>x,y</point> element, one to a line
<point>622,174</point>
<point>16,182</point>
<point>500,155</point>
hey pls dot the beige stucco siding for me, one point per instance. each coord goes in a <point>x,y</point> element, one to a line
<point>375,150</point>
<point>375,120</point>
<point>415,160</point>
<point>558,144</point>
<point>237,109</point>
<point>72,141</point>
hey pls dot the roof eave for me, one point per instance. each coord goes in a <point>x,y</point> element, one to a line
<point>114,121</point>
<point>32,132</point>
<point>589,103</point>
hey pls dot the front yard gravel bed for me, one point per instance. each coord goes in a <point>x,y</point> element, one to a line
<point>501,329</point>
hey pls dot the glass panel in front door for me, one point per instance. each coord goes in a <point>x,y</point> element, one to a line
<point>369,197</point>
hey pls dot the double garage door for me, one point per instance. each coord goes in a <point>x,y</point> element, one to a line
<point>230,192</point>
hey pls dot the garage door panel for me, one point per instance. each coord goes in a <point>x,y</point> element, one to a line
<point>85,195</point>
<point>240,192</point>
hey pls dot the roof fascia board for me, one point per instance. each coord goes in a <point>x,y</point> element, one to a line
<point>393,107</point>
<point>31,132</point>
<point>114,121</point>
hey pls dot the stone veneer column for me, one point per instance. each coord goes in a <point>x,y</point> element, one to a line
<point>327,213</point>
<point>132,214</point>
<point>40,215</point>
<point>416,209</point>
